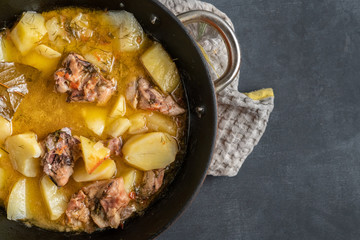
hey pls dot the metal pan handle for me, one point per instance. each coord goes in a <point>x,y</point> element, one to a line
<point>229,37</point>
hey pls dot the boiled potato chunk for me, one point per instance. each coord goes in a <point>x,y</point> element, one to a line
<point>94,153</point>
<point>2,152</point>
<point>138,123</point>
<point>128,33</point>
<point>118,127</point>
<point>43,58</point>
<point>95,118</point>
<point>105,170</point>
<point>16,207</point>
<point>47,51</point>
<point>55,200</point>
<point>23,152</point>
<point>2,178</point>
<point>150,151</point>
<point>2,50</point>
<point>8,51</point>
<point>28,31</point>
<point>161,68</point>
<point>119,108</point>
<point>132,177</point>
<point>160,123</point>
<point>5,129</point>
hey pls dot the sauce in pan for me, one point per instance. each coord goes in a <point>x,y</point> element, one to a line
<point>94,135</point>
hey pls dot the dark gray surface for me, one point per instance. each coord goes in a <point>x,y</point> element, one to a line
<point>303,179</point>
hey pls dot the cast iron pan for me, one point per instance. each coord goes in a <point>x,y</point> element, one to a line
<point>158,22</point>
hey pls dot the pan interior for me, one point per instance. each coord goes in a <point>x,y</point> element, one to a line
<point>201,128</point>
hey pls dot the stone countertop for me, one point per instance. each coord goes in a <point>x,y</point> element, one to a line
<point>303,179</point>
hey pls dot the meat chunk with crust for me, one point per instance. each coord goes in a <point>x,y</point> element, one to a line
<point>132,93</point>
<point>107,201</point>
<point>107,204</point>
<point>82,81</point>
<point>77,214</point>
<point>61,151</point>
<point>151,182</point>
<point>115,145</point>
<point>140,94</point>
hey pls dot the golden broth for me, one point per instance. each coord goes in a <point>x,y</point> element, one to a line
<point>43,111</point>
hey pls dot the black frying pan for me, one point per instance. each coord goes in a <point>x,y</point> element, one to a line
<point>166,28</point>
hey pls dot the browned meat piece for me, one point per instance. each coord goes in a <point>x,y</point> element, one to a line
<point>114,145</point>
<point>107,203</point>
<point>173,108</point>
<point>151,182</point>
<point>77,214</point>
<point>82,81</point>
<point>132,94</point>
<point>113,199</point>
<point>142,95</point>
<point>127,211</point>
<point>61,151</point>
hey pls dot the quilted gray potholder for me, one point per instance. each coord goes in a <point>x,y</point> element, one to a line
<point>242,117</point>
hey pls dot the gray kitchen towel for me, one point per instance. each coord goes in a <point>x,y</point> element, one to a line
<point>242,117</point>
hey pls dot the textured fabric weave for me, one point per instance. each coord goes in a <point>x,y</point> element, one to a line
<point>241,120</point>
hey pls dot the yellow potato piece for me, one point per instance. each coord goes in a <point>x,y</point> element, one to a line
<point>43,58</point>
<point>150,151</point>
<point>161,68</point>
<point>132,177</point>
<point>118,127</point>
<point>2,153</point>
<point>119,108</point>
<point>93,153</point>
<point>2,178</point>
<point>5,129</point>
<point>127,31</point>
<point>47,51</point>
<point>2,54</point>
<point>23,152</point>
<point>55,200</point>
<point>105,170</point>
<point>138,123</point>
<point>95,118</point>
<point>160,123</point>
<point>16,207</point>
<point>8,51</point>
<point>28,31</point>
